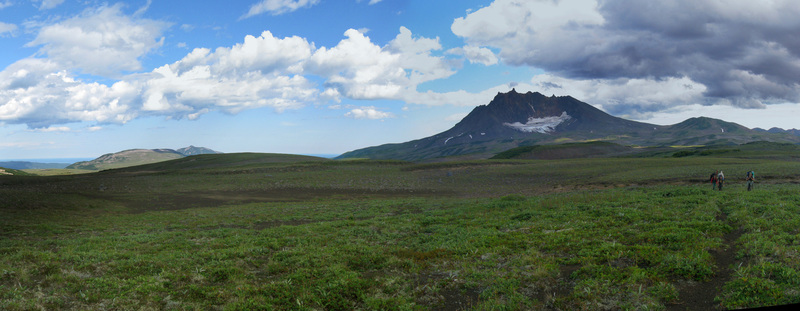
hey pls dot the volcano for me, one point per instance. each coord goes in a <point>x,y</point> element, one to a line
<point>522,119</point>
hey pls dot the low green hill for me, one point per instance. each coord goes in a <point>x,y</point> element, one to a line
<point>223,160</point>
<point>753,150</point>
<point>12,172</point>
<point>127,158</point>
<point>134,157</point>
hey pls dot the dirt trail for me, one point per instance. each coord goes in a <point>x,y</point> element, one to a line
<point>700,295</point>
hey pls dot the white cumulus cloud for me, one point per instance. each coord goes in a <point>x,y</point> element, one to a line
<point>199,89</point>
<point>36,93</point>
<point>476,54</point>
<point>261,71</point>
<point>416,57</point>
<point>368,113</point>
<point>103,41</point>
<point>359,69</point>
<point>277,7</point>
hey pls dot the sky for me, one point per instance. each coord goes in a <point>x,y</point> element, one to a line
<point>81,78</point>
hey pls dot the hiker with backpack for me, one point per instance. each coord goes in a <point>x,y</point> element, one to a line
<point>751,177</point>
<point>713,180</point>
<point>720,179</point>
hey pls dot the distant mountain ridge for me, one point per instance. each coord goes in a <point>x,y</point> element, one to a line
<point>133,157</point>
<point>778,130</point>
<point>515,119</point>
<point>192,150</point>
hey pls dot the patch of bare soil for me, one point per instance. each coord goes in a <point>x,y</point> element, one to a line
<point>559,289</point>
<point>700,295</point>
<point>451,296</point>
<point>459,299</point>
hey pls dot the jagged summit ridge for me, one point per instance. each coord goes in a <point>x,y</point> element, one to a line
<point>515,115</point>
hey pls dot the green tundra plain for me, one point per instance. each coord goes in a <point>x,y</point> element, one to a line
<point>282,232</point>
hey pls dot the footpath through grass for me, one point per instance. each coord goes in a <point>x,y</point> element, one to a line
<point>628,248</point>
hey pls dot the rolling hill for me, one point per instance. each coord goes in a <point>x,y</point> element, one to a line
<point>222,161</point>
<point>12,172</point>
<point>134,157</point>
<point>514,119</point>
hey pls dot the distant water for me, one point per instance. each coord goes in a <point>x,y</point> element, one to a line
<point>329,156</point>
<point>50,160</point>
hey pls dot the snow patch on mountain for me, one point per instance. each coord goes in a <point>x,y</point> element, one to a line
<point>539,125</point>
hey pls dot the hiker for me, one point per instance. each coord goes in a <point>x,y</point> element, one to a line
<point>751,177</point>
<point>713,180</point>
<point>720,179</point>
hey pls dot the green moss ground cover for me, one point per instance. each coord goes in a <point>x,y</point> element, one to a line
<point>636,235</point>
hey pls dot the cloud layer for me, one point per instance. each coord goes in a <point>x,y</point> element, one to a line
<point>262,71</point>
<point>631,58</point>
<point>101,42</point>
<point>743,53</point>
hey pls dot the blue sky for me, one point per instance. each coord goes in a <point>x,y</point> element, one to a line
<point>80,78</point>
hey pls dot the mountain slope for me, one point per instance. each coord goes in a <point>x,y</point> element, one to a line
<point>795,132</point>
<point>192,150</point>
<point>126,158</point>
<point>566,151</point>
<point>135,157</point>
<point>513,119</point>
<point>510,120</point>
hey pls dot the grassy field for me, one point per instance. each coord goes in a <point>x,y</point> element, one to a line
<point>275,232</point>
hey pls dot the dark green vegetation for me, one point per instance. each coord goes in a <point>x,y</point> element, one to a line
<point>566,151</point>
<point>278,232</point>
